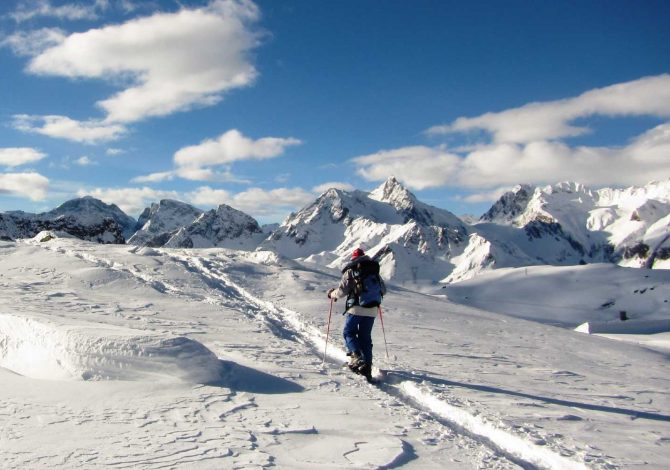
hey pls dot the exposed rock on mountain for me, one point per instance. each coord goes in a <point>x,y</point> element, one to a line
<point>224,227</point>
<point>86,218</point>
<point>568,223</point>
<point>412,240</point>
<point>160,222</point>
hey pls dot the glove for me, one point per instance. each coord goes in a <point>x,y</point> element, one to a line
<point>330,291</point>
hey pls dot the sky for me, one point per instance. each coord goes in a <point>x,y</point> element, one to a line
<point>264,105</point>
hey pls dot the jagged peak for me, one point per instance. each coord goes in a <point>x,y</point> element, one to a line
<point>568,187</point>
<point>393,191</point>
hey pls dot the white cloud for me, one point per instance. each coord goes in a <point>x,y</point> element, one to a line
<point>206,196</point>
<point>197,162</point>
<point>113,152</point>
<point>31,185</point>
<point>44,8</point>
<point>487,196</point>
<point>322,188</point>
<point>84,161</point>
<point>192,174</point>
<point>255,201</point>
<point>155,177</point>
<point>31,43</point>
<point>170,61</point>
<point>229,147</point>
<point>649,96</point>
<point>641,161</point>
<point>419,167</point>
<point>542,162</point>
<point>17,156</point>
<point>527,146</point>
<point>63,127</point>
<point>131,200</point>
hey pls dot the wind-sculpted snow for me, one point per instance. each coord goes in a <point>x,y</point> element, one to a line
<point>48,348</point>
<point>461,388</point>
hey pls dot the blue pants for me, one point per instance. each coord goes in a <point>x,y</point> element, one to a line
<point>358,335</point>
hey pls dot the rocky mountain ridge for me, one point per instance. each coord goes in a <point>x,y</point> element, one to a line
<point>561,224</point>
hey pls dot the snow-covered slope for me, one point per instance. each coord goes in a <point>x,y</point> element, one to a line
<point>413,241</point>
<point>159,222</point>
<point>569,295</point>
<point>87,211</point>
<point>86,218</point>
<point>569,224</point>
<point>221,227</point>
<point>463,388</point>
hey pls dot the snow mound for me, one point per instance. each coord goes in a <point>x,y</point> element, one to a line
<point>46,235</point>
<point>45,348</point>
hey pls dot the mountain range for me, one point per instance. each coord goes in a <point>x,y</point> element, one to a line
<point>562,224</point>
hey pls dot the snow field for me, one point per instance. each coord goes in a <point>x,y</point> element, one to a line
<point>464,388</point>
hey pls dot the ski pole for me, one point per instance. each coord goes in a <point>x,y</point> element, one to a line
<point>381,319</point>
<point>330,312</point>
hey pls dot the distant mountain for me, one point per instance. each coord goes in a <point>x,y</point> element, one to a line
<point>222,227</point>
<point>161,221</point>
<point>568,223</point>
<point>86,218</point>
<point>561,224</point>
<point>412,240</point>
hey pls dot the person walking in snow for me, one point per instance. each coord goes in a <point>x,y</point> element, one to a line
<point>363,288</point>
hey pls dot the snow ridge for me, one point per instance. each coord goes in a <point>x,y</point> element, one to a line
<point>45,348</point>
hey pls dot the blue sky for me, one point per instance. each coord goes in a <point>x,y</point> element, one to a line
<point>262,105</point>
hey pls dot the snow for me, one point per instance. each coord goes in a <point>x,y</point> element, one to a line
<point>136,357</point>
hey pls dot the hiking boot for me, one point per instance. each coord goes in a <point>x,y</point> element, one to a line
<point>355,361</point>
<point>366,370</point>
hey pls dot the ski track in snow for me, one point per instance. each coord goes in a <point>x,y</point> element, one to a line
<point>287,324</point>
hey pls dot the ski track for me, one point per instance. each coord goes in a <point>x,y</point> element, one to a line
<point>287,324</point>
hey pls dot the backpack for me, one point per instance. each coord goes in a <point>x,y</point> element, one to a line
<point>367,284</point>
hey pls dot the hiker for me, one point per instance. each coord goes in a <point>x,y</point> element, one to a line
<point>363,288</point>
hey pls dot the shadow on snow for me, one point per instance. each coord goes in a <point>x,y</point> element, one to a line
<point>245,379</point>
<point>396,376</point>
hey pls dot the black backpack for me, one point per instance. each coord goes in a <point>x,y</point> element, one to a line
<point>367,284</point>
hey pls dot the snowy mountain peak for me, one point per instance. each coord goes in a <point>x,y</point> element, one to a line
<point>221,227</point>
<point>86,218</point>
<point>510,205</point>
<point>394,193</point>
<point>88,210</point>
<point>161,220</point>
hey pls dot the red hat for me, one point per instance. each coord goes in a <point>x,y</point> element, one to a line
<point>357,252</point>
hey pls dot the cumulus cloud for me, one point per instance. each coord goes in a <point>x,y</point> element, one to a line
<point>322,188</point>
<point>30,184</point>
<point>89,132</point>
<point>419,167</point>
<point>131,200</point>
<point>542,162</point>
<point>649,96</point>
<point>255,201</point>
<point>170,61</point>
<point>200,162</point>
<point>528,146</point>
<point>232,146</point>
<point>17,156</point>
